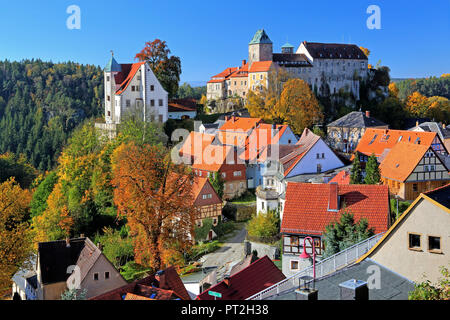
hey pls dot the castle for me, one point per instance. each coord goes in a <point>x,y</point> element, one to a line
<point>326,67</point>
<point>132,89</point>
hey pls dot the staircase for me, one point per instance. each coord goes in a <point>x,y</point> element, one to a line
<point>325,267</point>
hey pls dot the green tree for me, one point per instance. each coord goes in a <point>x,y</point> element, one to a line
<point>345,233</point>
<point>356,175</point>
<point>43,191</point>
<point>201,233</point>
<point>428,291</point>
<point>217,182</point>
<point>373,175</point>
<point>264,226</point>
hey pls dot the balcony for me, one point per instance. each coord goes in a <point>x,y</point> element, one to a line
<point>266,193</point>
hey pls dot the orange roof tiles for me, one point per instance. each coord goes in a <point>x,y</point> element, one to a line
<point>403,158</point>
<point>124,85</point>
<point>342,177</point>
<point>195,143</point>
<point>213,158</point>
<point>378,140</point>
<point>131,296</point>
<point>260,66</point>
<point>240,124</point>
<point>306,207</point>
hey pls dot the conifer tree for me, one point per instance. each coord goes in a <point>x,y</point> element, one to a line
<point>356,175</point>
<point>373,175</point>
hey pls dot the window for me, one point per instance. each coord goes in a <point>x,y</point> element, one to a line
<point>107,79</point>
<point>138,78</point>
<point>152,103</point>
<point>160,118</point>
<point>128,103</point>
<point>425,168</point>
<point>138,88</point>
<point>319,168</point>
<point>207,196</point>
<point>317,155</point>
<point>160,101</point>
<point>323,155</point>
<point>96,276</point>
<point>415,187</point>
<point>108,98</point>
<point>109,113</point>
<point>106,275</point>
<point>432,167</point>
<point>434,244</point>
<point>237,173</point>
<point>133,88</point>
<point>262,205</point>
<point>224,175</point>
<point>414,241</point>
<point>294,265</point>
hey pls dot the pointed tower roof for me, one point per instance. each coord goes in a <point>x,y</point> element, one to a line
<point>260,37</point>
<point>112,65</point>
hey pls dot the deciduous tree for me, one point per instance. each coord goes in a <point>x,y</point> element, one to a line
<point>166,69</point>
<point>15,240</point>
<point>298,106</point>
<point>155,197</point>
<point>417,104</point>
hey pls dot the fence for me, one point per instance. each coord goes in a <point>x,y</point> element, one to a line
<point>323,268</point>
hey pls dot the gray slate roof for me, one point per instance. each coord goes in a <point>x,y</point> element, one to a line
<point>392,285</point>
<point>356,119</point>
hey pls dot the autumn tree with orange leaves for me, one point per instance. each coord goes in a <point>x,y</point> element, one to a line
<point>298,106</point>
<point>15,238</point>
<point>166,69</point>
<point>417,104</point>
<point>154,196</point>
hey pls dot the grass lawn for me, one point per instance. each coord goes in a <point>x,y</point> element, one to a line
<point>278,263</point>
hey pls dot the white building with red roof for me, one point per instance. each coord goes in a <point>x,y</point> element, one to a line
<point>133,89</point>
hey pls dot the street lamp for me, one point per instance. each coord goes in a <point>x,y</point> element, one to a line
<point>305,255</point>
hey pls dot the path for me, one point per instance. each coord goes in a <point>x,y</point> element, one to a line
<point>231,252</point>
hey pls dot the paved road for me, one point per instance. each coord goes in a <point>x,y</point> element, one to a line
<point>231,252</point>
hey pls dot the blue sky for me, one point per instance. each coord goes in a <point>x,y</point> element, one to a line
<point>414,40</point>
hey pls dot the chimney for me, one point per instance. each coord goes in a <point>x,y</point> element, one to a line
<point>417,123</point>
<point>99,246</point>
<point>354,290</point>
<point>227,118</point>
<point>244,62</point>
<point>333,204</point>
<point>443,126</point>
<point>82,235</point>
<point>367,113</point>
<point>67,242</point>
<point>227,281</point>
<point>305,292</point>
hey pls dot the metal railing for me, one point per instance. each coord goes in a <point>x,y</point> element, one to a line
<point>324,267</point>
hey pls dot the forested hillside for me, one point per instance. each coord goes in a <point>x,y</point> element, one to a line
<point>42,102</point>
<point>428,87</point>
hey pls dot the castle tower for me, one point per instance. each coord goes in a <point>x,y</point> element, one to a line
<point>260,48</point>
<point>112,68</point>
<point>287,48</point>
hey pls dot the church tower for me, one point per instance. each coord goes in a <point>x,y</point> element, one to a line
<point>260,48</point>
<point>112,68</point>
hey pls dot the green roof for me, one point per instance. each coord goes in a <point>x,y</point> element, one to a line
<point>260,37</point>
<point>113,66</point>
<point>287,45</point>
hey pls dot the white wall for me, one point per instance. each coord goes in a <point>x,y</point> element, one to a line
<point>308,164</point>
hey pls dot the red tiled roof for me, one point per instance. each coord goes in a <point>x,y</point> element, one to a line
<point>223,75</point>
<point>196,142</point>
<point>260,66</point>
<point>401,161</point>
<point>342,177</point>
<point>306,206</point>
<point>258,276</point>
<point>165,286</point>
<point>240,124</point>
<point>378,140</point>
<point>124,85</point>
<point>182,105</point>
